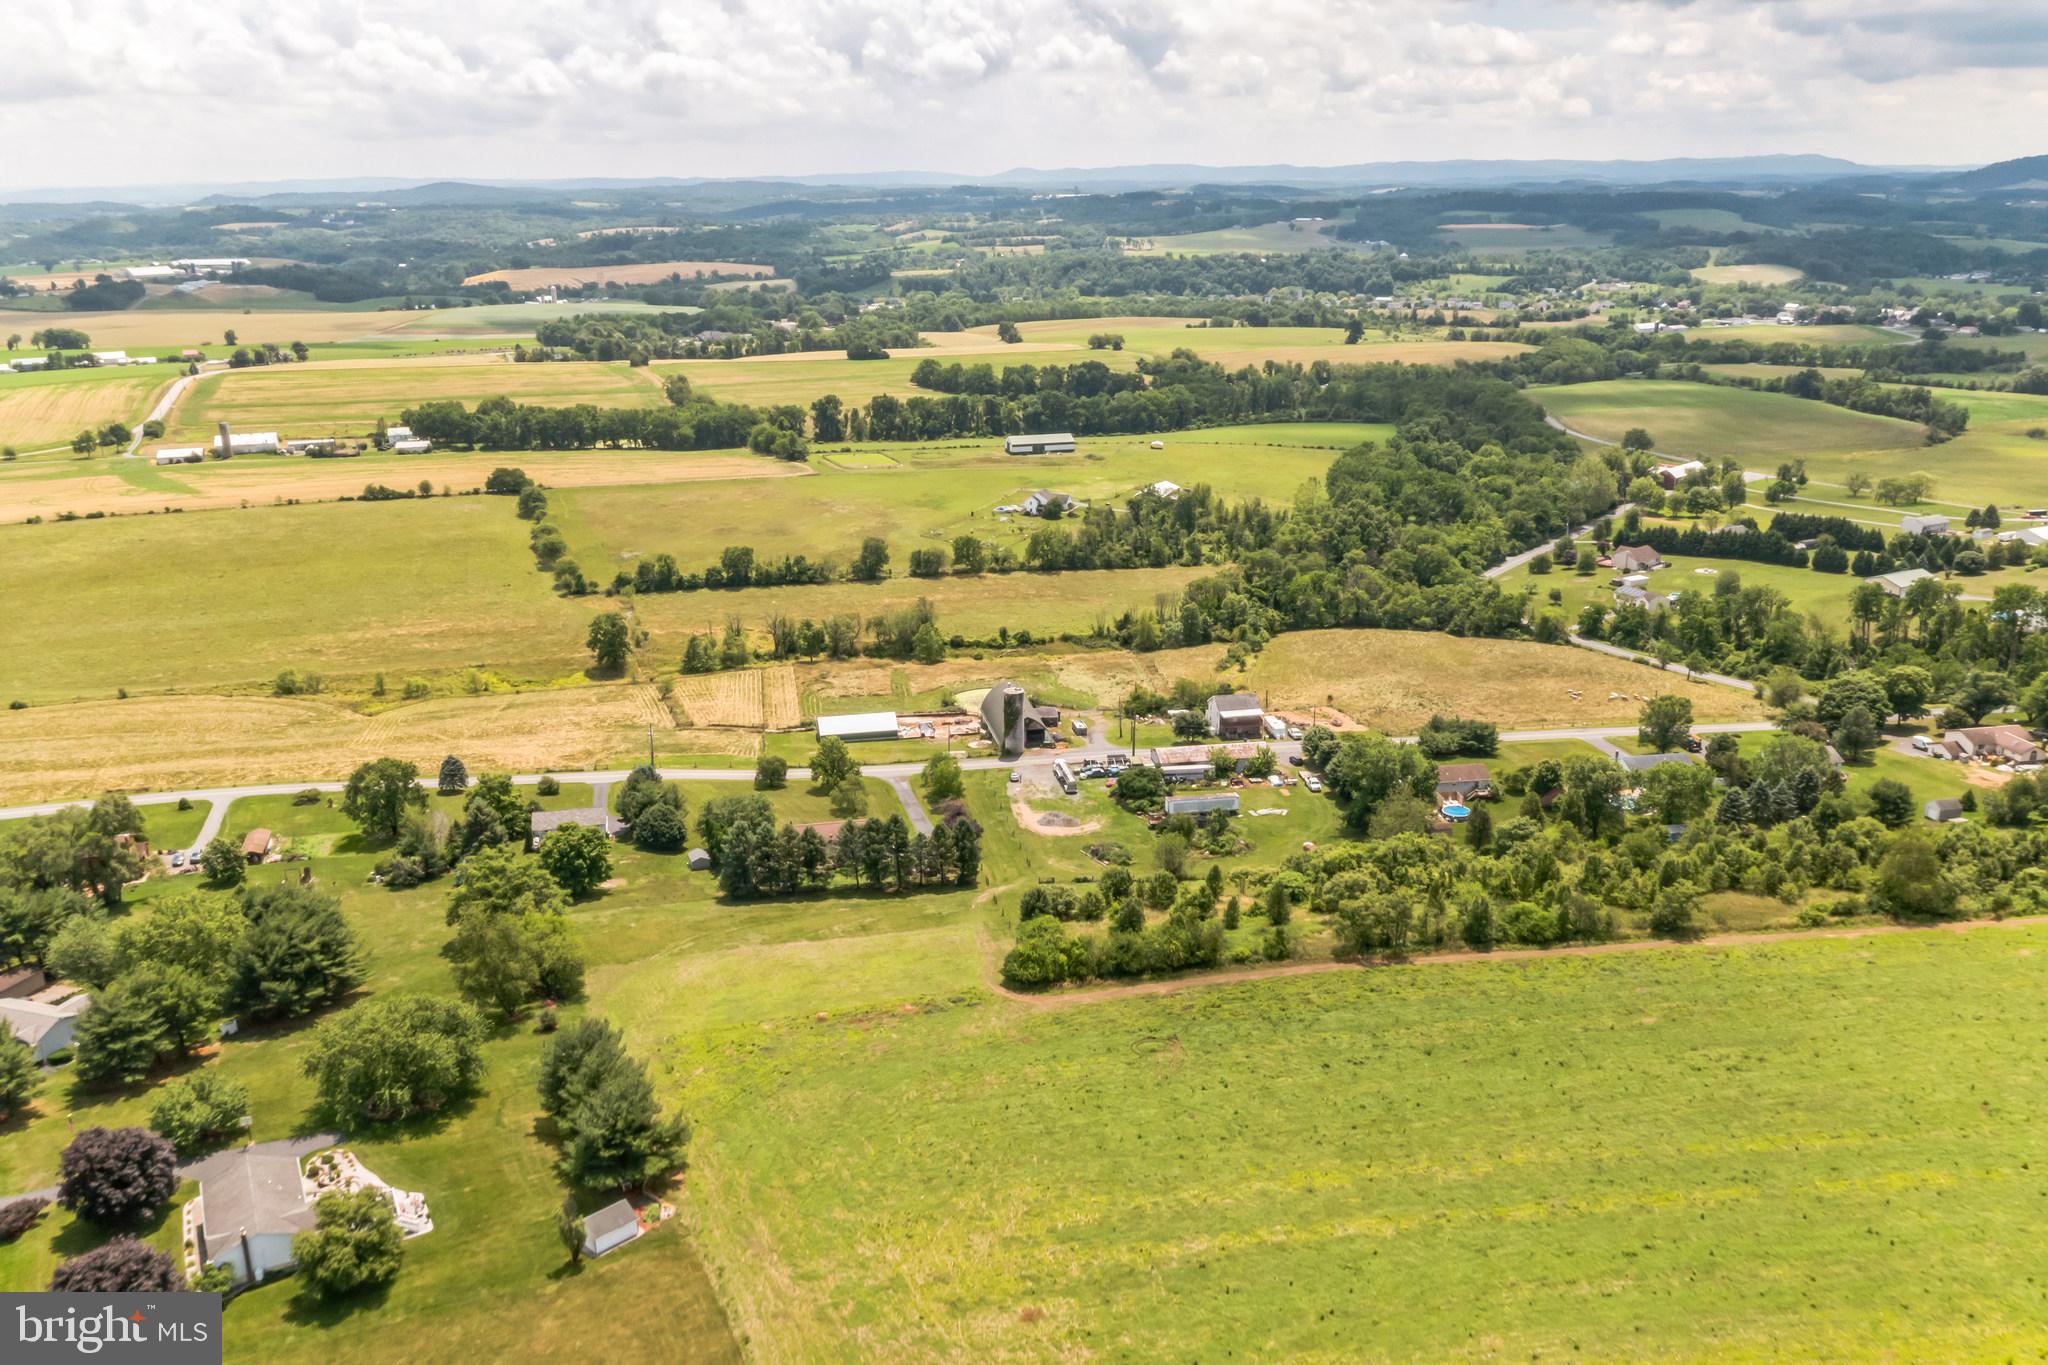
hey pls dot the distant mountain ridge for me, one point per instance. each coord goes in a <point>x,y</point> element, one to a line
<point>1767,170</point>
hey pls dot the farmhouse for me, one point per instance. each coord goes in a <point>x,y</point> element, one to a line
<point>1671,475</point>
<point>861,726</point>
<point>1634,559</point>
<point>258,845</point>
<point>1051,443</point>
<point>110,358</point>
<point>1235,715</point>
<point>1898,580</point>
<point>1929,524</point>
<point>1014,723</point>
<point>211,265</point>
<point>44,1027</point>
<point>610,1227</point>
<point>1465,781</point>
<point>1991,743</point>
<point>180,454</point>
<point>541,823</point>
<point>1043,502</point>
<point>1204,804</point>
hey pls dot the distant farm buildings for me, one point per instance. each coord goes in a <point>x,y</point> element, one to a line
<point>1930,524</point>
<point>1898,580</point>
<point>1014,722</point>
<point>229,442</point>
<point>853,729</point>
<point>1671,475</point>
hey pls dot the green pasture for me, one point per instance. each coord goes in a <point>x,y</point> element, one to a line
<point>1513,239</point>
<point>801,378</point>
<point>1266,238</point>
<point>1709,422</point>
<point>1510,1132</point>
<point>928,494</point>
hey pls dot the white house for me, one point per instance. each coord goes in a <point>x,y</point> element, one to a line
<point>1043,500</point>
<point>251,1205</point>
<point>612,1226</point>
<point>393,435</point>
<point>1929,524</point>
<point>1165,488</point>
<point>1048,443</point>
<point>47,1029</point>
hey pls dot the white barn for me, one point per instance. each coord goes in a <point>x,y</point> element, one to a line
<point>854,728</point>
<point>1048,443</point>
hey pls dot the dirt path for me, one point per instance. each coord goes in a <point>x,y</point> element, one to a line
<point>1173,986</point>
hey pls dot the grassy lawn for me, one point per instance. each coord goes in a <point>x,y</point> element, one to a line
<point>1685,1112</point>
<point>1709,422</point>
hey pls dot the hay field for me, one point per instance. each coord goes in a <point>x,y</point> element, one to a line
<point>148,743</point>
<point>1747,274</point>
<point>1395,680</point>
<point>39,410</point>
<point>722,699</point>
<point>1238,346</point>
<point>1708,422</point>
<point>652,272</point>
<point>933,493</point>
<point>123,486</point>
<point>142,328</point>
<point>226,599</point>
<point>349,397</point>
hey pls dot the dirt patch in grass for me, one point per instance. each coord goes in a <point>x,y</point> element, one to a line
<point>1050,822</point>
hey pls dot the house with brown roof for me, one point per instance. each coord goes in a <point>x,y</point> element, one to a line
<point>1634,559</point>
<point>1464,781</point>
<point>1993,743</point>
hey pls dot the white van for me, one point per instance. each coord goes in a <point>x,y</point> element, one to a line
<point>1920,743</point>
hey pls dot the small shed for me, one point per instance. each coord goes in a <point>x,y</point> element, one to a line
<point>1205,804</point>
<point>258,845</point>
<point>1943,810</point>
<point>698,859</point>
<point>612,1226</point>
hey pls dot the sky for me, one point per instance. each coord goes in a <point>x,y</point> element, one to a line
<point>127,92</point>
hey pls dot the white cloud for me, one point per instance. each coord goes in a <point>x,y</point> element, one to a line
<point>250,89</point>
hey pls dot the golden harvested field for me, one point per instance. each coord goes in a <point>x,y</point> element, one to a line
<point>1231,346</point>
<point>47,409</point>
<point>800,376</point>
<point>1395,680</point>
<point>148,743</point>
<point>722,698</point>
<point>652,272</point>
<point>118,486</point>
<point>348,398</point>
<point>781,704</point>
<point>146,327</point>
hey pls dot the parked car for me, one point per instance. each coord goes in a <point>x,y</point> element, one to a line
<point>1295,759</point>
<point>178,858</point>
<point>1312,782</point>
<point>1692,744</point>
<point>1276,781</point>
<point>1294,732</point>
<point>1016,774</point>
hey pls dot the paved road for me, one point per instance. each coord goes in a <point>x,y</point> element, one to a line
<point>161,410</point>
<point>1602,647</point>
<point>199,1167</point>
<point>920,818</point>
